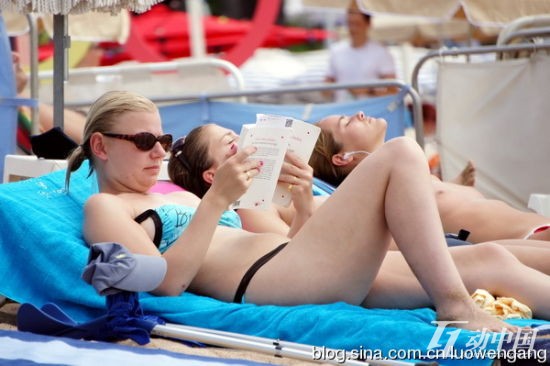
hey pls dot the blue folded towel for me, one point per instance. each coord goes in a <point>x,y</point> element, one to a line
<point>42,255</point>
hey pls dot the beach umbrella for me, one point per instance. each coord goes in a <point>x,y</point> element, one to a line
<point>81,27</point>
<point>477,12</point>
<point>60,10</point>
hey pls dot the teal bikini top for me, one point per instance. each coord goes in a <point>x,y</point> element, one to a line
<point>171,220</point>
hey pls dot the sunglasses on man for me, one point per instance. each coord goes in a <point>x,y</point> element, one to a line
<point>144,141</point>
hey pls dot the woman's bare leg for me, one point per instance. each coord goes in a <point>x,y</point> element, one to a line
<point>484,266</point>
<point>422,243</point>
<point>338,252</point>
<point>532,253</point>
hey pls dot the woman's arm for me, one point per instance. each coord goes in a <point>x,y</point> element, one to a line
<point>110,218</point>
<point>187,254</point>
<point>286,220</point>
<point>298,177</point>
<point>263,221</point>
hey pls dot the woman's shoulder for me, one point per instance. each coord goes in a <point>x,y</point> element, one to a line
<point>131,203</point>
<point>104,202</point>
<point>102,197</point>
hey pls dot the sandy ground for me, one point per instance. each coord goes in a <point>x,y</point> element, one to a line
<point>8,316</point>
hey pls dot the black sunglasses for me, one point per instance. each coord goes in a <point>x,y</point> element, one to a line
<point>144,141</point>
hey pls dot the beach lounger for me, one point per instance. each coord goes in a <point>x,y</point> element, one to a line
<point>42,256</point>
<point>181,114</point>
<point>9,103</point>
<point>495,113</point>
<point>178,119</point>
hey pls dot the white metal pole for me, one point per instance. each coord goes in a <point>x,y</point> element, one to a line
<point>61,45</point>
<point>33,35</point>
<point>196,28</point>
<point>273,347</point>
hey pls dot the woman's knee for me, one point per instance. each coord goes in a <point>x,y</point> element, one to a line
<point>396,154</point>
<point>483,265</point>
<point>406,150</point>
<point>493,253</point>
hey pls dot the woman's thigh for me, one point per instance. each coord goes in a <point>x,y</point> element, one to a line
<point>297,276</point>
<point>336,255</point>
<point>396,286</point>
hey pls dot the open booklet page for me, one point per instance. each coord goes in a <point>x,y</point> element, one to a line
<point>301,142</point>
<point>271,144</point>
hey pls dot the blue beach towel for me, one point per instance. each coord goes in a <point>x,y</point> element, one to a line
<point>42,255</point>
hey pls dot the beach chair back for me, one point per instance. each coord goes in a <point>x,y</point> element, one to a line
<point>8,108</point>
<point>495,113</point>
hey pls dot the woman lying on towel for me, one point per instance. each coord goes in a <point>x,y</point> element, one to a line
<point>195,158</point>
<point>345,141</point>
<point>339,254</point>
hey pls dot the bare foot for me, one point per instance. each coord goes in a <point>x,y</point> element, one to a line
<point>471,317</point>
<point>467,176</point>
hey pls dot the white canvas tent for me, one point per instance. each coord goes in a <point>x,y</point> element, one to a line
<point>393,26</point>
<point>477,12</point>
<point>402,20</point>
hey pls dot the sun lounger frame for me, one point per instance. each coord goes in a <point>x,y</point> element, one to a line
<point>274,347</point>
<point>242,94</point>
<point>525,28</point>
<point>502,53</point>
<point>467,51</point>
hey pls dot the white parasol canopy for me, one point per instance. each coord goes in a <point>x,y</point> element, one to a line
<point>82,27</point>
<point>65,7</point>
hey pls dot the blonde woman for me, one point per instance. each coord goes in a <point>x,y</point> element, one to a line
<point>339,254</point>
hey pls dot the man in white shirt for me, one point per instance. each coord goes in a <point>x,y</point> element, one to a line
<point>359,59</point>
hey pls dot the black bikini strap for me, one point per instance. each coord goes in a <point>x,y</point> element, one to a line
<point>241,289</point>
<point>156,222</point>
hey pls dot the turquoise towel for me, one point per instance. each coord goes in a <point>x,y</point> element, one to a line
<point>42,255</point>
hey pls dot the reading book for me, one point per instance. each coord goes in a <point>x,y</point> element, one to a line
<point>273,136</point>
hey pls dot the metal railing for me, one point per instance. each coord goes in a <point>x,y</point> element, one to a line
<point>466,51</point>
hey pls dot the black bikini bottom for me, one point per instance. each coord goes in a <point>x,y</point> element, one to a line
<point>241,289</point>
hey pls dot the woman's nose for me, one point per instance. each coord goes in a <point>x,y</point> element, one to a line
<point>159,150</point>
<point>360,115</point>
